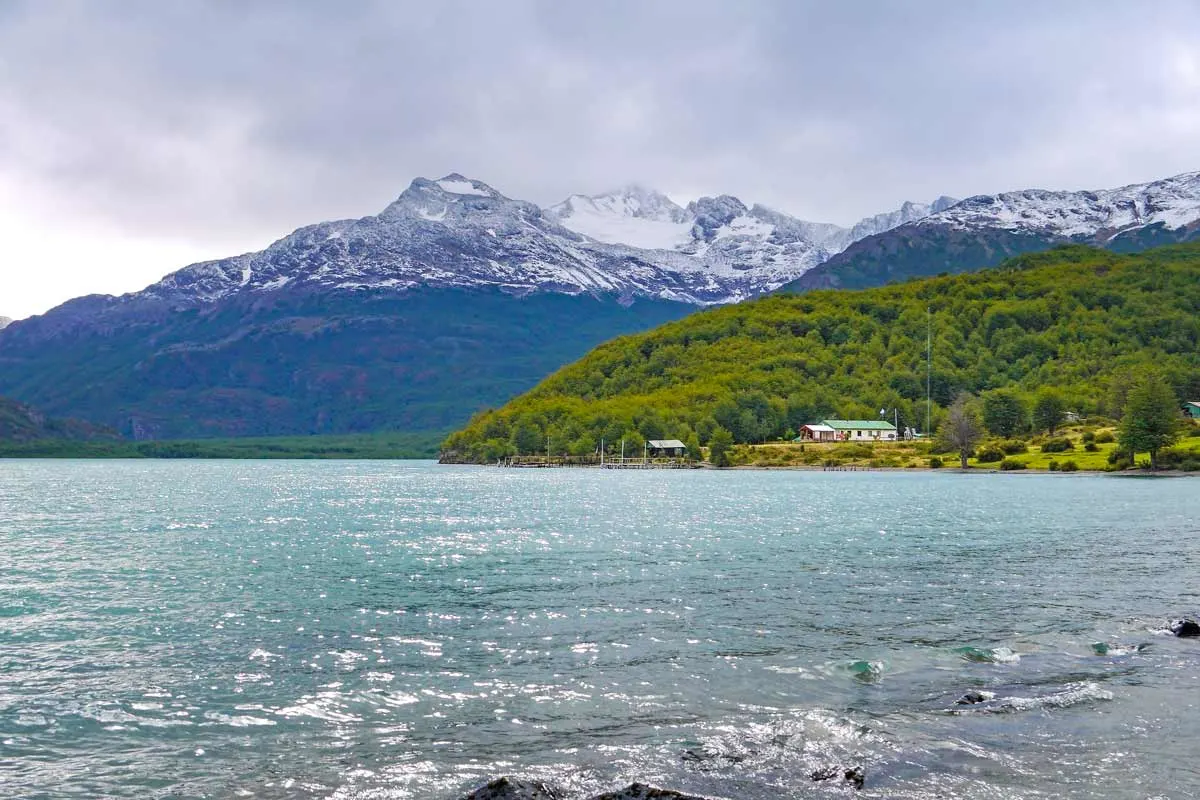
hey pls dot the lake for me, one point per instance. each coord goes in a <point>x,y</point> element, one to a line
<point>360,630</point>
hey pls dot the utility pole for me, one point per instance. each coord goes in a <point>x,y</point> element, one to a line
<point>928,368</point>
<point>602,451</point>
<point>547,449</point>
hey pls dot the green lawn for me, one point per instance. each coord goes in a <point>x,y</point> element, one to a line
<point>1084,460</point>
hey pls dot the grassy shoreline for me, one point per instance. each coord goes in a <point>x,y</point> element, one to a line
<point>1085,451</point>
<point>387,446</point>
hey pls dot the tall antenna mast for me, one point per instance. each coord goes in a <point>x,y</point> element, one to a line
<point>928,367</point>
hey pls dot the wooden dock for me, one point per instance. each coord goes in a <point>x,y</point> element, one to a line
<point>595,462</point>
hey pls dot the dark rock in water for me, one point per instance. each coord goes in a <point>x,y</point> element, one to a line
<point>1185,627</point>
<point>513,789</point>
<point>640,791</point>
<point>971,698</point>
<point>706,759</point>
<point>853,776</point>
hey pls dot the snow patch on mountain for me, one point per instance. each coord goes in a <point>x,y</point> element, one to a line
<point>456,184</point>
<point>643,218</point>
<point>5,322</point>
<point>632,216</point>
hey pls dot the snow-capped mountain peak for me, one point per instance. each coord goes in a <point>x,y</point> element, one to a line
<point>460,232</point>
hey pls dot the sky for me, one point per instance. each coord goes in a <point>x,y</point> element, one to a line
<point>138,136</point>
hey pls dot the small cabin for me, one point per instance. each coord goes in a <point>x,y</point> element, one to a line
<point>1192,409</point>
<point>666,448</point>
<point>816,432</point>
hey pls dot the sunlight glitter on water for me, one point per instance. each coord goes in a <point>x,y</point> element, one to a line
<point>384,630</point>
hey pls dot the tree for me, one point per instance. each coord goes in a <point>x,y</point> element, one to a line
<point>719,446</point>
<point>527,439</point>
<point>1151,420</point>
<point>961,430</point>
<point>1048,410</point>
<point>1004,413</point>
<point>693,447</point>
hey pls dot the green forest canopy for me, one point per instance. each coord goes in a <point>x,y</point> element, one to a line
<point>1079,319</point>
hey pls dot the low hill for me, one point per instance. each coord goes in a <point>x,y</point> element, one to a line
<point>21,424</point>
<point>1077,318</point>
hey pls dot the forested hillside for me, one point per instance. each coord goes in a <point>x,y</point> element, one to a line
<point>1076,318</point>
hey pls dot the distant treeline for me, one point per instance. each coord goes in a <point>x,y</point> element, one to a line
<point>1079,320</point>
<point>357,446</point>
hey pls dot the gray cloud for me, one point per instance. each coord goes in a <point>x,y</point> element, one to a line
<point>232,121</point>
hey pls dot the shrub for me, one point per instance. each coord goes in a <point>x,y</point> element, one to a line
<point>1014,447</point>
<point>1069,466</point>
<point>1059,445</point>
<point>1089,437</point>
<point>1118,460</point>
<point>935,463</point>
<point>1053,466</point>
<point>1190,465</point>
<point>1091,447</point>
<point>1194,432</point>
<point>989,454</point>
<point>854,450</point>
<point>1011,464</point>
<point>1105,437</point>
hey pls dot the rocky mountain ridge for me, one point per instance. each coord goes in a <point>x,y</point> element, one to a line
<point>455,298</point>
<point>457,232</point>
<point>983,230</point>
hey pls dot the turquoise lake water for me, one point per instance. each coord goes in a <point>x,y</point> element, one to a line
<point>361,630</point>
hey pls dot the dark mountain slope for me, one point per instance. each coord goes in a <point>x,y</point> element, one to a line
<point>301,363</point>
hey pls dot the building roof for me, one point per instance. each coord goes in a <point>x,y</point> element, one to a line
<point>1195,403</point>
<point>816,427</point>
<point>665,444</point>
<point>859,425</point>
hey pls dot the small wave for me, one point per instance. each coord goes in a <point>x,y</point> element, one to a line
<point>238,721</point>
<point>324,706</point>
<point>1071,696</point>
<point>865,671</point>
<point>989,655</point>
<point>1106,649</point>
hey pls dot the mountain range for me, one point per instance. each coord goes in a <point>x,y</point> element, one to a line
<point>456,297</point>
<point>984,230</point>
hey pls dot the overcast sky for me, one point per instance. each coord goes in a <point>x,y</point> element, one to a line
<point>136,137</point>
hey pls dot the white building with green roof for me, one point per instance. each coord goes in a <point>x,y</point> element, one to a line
<point>862,430</point>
